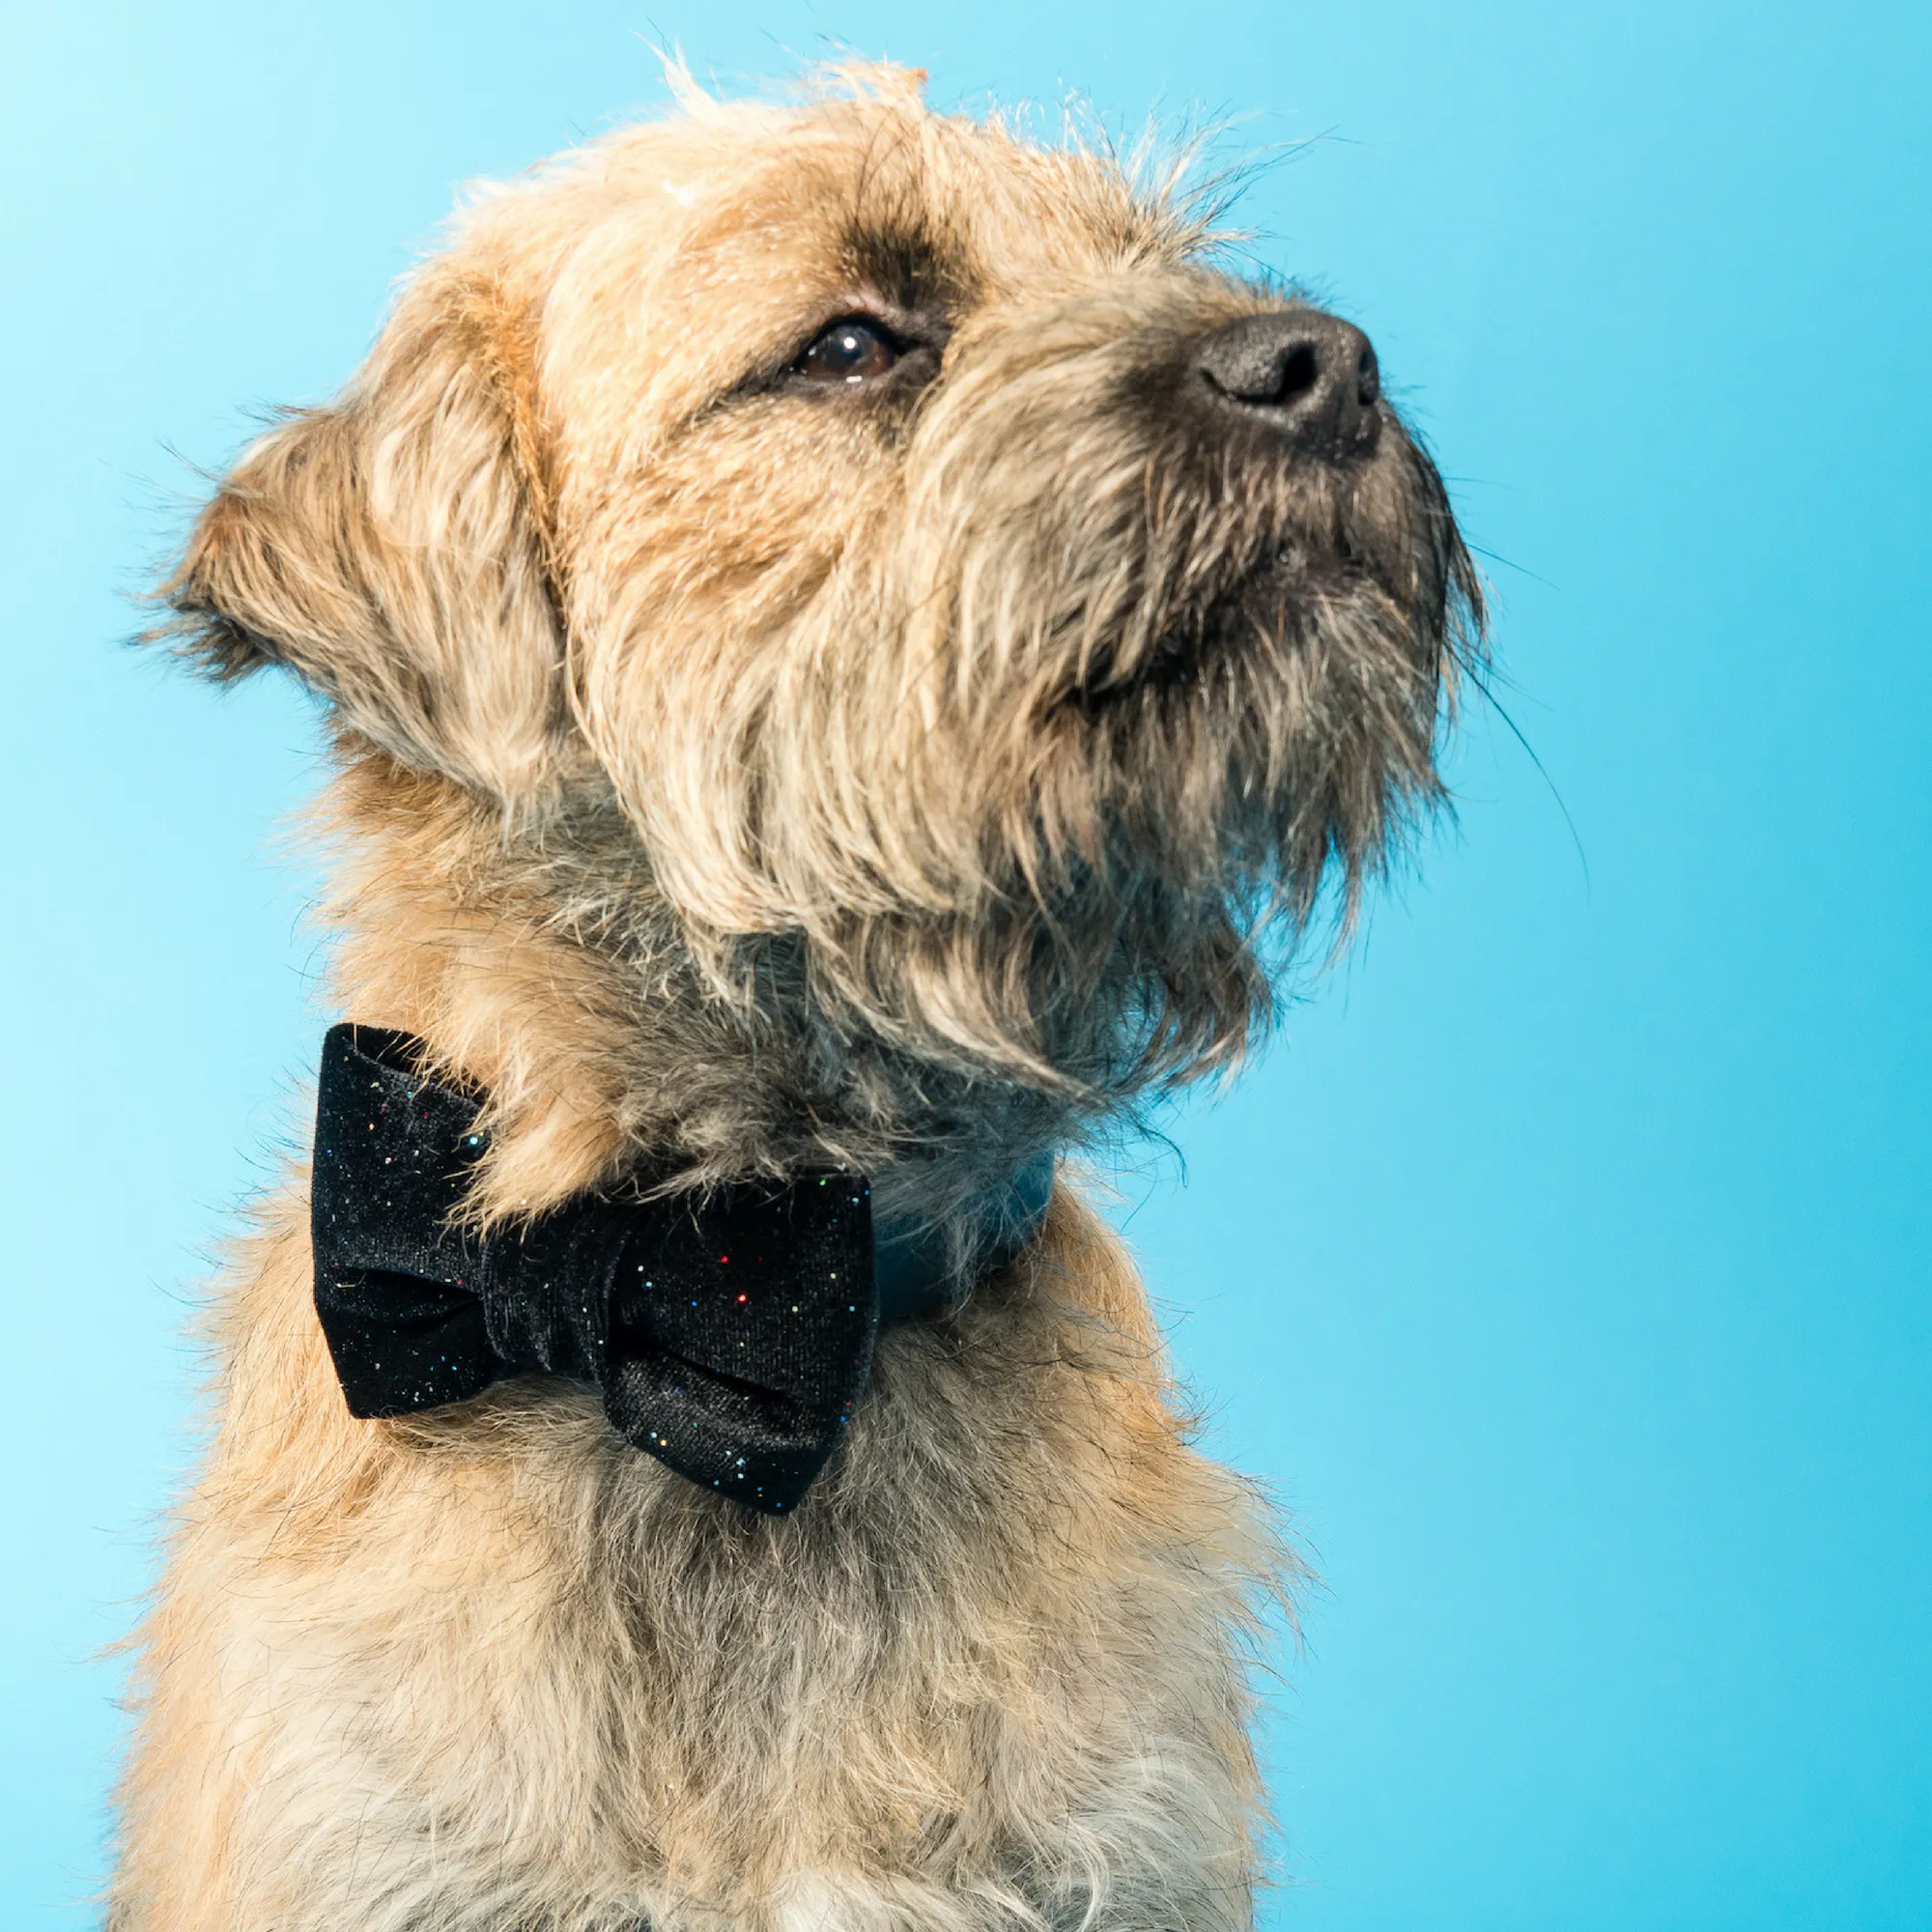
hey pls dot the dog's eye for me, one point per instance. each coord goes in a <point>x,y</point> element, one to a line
<point>851,350</point>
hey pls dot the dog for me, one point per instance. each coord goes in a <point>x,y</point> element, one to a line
<point>853,644</point>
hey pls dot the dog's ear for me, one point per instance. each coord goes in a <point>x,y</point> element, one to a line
<point>393,549</point>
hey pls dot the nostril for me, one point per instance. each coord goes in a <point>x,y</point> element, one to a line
<point>1276,379</point>
<point>1300,371</point>
<point>1368,377</point>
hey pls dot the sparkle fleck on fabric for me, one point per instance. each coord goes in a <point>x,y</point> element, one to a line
<point>731,1336</point>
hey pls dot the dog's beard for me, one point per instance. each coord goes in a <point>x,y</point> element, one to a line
<point>1050,772</point>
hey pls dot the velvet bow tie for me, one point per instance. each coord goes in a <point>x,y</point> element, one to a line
<point>729,1334</point>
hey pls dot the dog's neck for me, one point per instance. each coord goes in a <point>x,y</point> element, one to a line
<point>541,964</point>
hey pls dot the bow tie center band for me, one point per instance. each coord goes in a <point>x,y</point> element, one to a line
<point>730,1334</point>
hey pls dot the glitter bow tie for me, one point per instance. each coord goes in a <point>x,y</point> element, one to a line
<point>730,1335</point>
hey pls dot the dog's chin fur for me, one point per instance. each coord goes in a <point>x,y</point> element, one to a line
<point>732,775</point>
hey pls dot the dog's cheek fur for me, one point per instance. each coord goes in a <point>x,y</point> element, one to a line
<point>393,547</point>
<point>693,618</point>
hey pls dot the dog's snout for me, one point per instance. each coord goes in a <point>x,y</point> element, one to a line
<point>1311,378</point>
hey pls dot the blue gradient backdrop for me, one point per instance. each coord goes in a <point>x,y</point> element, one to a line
<point>1565,1265</point>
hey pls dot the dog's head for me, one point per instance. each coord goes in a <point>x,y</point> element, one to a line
<point>946,567</point>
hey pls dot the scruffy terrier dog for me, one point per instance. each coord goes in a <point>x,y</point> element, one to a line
<point>851,642</point>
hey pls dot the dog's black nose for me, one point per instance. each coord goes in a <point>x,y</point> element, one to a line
<point>1310,377</point>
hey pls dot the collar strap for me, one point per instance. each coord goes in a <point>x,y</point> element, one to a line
<point>730,1334</point>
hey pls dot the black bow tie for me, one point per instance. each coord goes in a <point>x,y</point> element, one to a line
<point>730,1333</point>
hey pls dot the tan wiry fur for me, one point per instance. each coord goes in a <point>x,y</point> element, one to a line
<point>732,777</point>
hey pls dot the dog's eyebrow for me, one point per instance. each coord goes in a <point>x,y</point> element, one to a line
<point>906,262</point>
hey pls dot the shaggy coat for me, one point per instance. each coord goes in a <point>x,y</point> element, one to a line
<point>739,770</point>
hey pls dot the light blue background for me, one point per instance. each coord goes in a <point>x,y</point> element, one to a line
<point>1566,1265</point>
